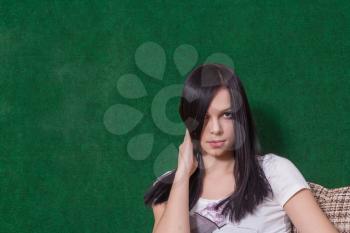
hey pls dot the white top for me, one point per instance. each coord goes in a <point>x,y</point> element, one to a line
<point>269,217</point>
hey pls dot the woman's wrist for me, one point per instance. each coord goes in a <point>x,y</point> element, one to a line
<point>181,174</point>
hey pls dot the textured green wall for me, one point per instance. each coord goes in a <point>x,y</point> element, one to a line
<point>69,122</point>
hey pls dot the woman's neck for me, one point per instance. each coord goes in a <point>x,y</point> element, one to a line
<point>217,166</point>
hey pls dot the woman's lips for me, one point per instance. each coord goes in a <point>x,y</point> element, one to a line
<point>216,144</point>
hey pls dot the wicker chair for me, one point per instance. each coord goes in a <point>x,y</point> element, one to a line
<point>336,205</point>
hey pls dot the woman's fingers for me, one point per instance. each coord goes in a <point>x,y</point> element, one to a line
<point>187,159</point>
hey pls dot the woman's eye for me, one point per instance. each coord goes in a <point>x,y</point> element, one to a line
<point>229,114</point>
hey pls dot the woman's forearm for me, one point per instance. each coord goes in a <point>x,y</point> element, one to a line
<point>175,218</point>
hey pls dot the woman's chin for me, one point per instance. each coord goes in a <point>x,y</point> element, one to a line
<point>221,152</point>
<point>215,152</point>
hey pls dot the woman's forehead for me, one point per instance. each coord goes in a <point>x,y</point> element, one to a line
<point>220,102</point>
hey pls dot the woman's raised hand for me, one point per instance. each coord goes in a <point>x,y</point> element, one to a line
<point>187,163</point>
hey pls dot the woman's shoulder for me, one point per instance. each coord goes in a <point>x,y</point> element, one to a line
<point>277,165</point>
<point>270,160</point>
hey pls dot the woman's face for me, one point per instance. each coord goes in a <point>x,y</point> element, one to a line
<point>218,125</point>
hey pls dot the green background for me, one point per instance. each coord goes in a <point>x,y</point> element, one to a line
<point>61,170</point>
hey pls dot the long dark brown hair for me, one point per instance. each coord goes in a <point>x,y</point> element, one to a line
<point>251,185</point>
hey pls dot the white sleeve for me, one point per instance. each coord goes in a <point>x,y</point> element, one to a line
<point>285,179</point>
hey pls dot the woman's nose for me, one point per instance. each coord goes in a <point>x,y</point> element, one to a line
<point>215,127</point>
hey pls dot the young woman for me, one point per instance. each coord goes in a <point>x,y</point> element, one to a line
<point>222,182</point>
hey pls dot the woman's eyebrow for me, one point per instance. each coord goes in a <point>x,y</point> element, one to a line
<point>229,108</point>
